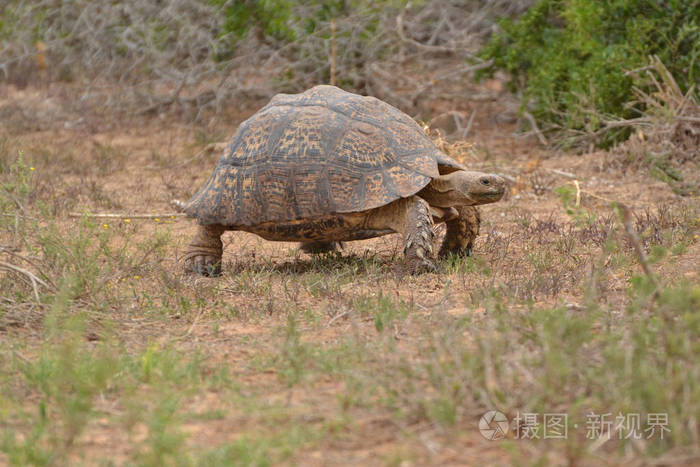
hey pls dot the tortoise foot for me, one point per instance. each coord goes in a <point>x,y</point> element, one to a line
<point>446,252</point>
<point>316,248</point>
<point>204,264</point>
<point>421,266</point>
<point>461,233</point>
<point>203,255</point>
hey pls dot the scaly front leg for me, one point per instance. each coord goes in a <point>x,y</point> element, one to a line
<point>461,232</point>
<point>418,237</point>
<point>316,248</point>
<point>203,255</point>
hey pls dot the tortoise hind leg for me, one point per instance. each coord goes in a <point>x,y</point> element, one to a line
<point>203,255</point>
<point>461,232</point>
<point>315,248</point>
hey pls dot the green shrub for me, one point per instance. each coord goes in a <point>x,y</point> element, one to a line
<point>568,58</point>
<point>271,16</point>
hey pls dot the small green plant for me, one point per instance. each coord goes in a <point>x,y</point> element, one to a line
<point>67,377</point>
<point>271,16</point>
<point>382,308</point>
<point>295,355</point>
<point>570,198</point>
<point>458,264</point>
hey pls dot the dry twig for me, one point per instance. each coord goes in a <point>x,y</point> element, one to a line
<point>128,216</point>
<point>34,280</point>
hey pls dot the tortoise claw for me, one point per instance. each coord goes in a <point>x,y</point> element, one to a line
<point>205,265</point>
<point>461,233</point>
<point>316,248</point>
<point>203,255</point>
<point>422,266</point>
<point>461,252</point>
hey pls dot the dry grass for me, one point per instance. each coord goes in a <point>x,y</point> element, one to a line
<point>666,136</point>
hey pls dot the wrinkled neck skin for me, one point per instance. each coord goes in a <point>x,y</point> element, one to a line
<point>446,199</point>
<point>463,188</point>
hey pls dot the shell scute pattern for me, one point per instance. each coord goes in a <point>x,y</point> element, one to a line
<point>321,152</point>
<point>364,147</point>
<point>303,137</point>
<point>344,185</point>
<point>404,181</point>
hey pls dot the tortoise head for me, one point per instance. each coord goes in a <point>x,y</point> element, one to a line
<point>464,188</point>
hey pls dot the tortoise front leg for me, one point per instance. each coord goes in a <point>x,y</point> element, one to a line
<point>316,248</point>
<point>203,255</point>
<point>461,232</point>
<point>418,237</point>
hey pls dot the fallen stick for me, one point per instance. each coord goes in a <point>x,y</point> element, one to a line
<point>20,216</point>
<point>560,172</point>
<point>34,280</point>
<point>164,215</point>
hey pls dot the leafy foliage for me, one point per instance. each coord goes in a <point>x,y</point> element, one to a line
<point>569,57</point>
<point>272,16</point>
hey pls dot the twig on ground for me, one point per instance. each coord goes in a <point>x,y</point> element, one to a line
<point>593,195</point>
<point>32,261</point>
<point>19,216</point>
<point>337,317</point>
<point>34,280</point>
<point>560,172</point>
<point>164,215</point>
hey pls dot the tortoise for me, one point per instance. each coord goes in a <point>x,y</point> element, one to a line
<point>325,166</point>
